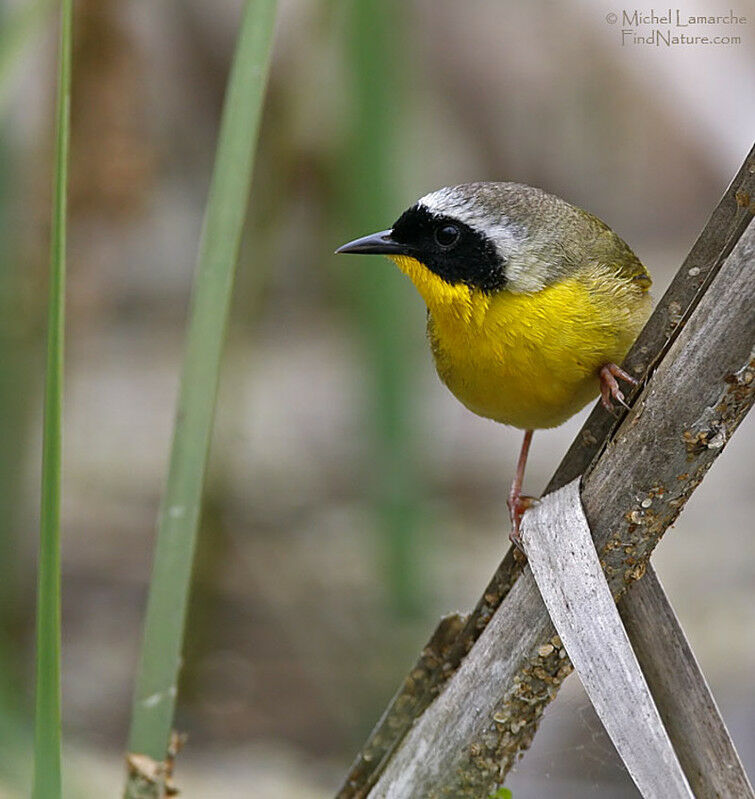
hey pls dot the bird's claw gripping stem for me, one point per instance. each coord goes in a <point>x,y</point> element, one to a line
<point>609,386</point>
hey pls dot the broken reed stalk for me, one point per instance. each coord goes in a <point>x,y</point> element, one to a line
<point>47,729</point>
<point>566,567</point>
<point>719,236</point>
<point>155,694</point>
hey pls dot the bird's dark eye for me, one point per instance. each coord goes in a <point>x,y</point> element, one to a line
<point>446,235</point>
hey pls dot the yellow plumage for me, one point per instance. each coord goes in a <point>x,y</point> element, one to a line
<point>531,303</point>
<point>531,360</point>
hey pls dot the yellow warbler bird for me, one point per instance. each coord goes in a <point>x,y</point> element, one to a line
<point>531,303</point>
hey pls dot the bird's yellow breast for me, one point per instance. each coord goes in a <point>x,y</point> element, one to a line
<point>530,360</point>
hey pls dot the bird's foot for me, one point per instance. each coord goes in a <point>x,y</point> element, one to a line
<point>518,504</point>
<point>609,386</point>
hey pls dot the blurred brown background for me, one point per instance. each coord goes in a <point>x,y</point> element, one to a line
<point>350,500</point>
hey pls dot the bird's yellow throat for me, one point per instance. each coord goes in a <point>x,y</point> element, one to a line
<point>510,357</point>
<point>439,296</point>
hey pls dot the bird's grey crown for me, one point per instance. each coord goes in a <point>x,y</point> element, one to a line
<point>537,234</point>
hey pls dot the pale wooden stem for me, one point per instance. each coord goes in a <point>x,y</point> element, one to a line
<point>700,392</point>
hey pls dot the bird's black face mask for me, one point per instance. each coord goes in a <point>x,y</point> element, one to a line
<point>450,248</point>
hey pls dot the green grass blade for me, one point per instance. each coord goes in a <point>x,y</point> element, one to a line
<point>47,781</point>
<point>383,296</point>
<point>155,693</point>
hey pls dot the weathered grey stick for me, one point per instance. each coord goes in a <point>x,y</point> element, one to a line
<point>702,389</point>
<point>722,231</point>
<point>684,700</point>
<point>562,557</point>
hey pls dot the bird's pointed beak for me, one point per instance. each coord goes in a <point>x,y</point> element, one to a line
<point>380,243</point>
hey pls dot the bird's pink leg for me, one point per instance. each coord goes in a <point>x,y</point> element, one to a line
<point>609,386</point>
<point>517,502</point>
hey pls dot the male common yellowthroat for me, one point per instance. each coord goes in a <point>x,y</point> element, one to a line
<point>532,303</point>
